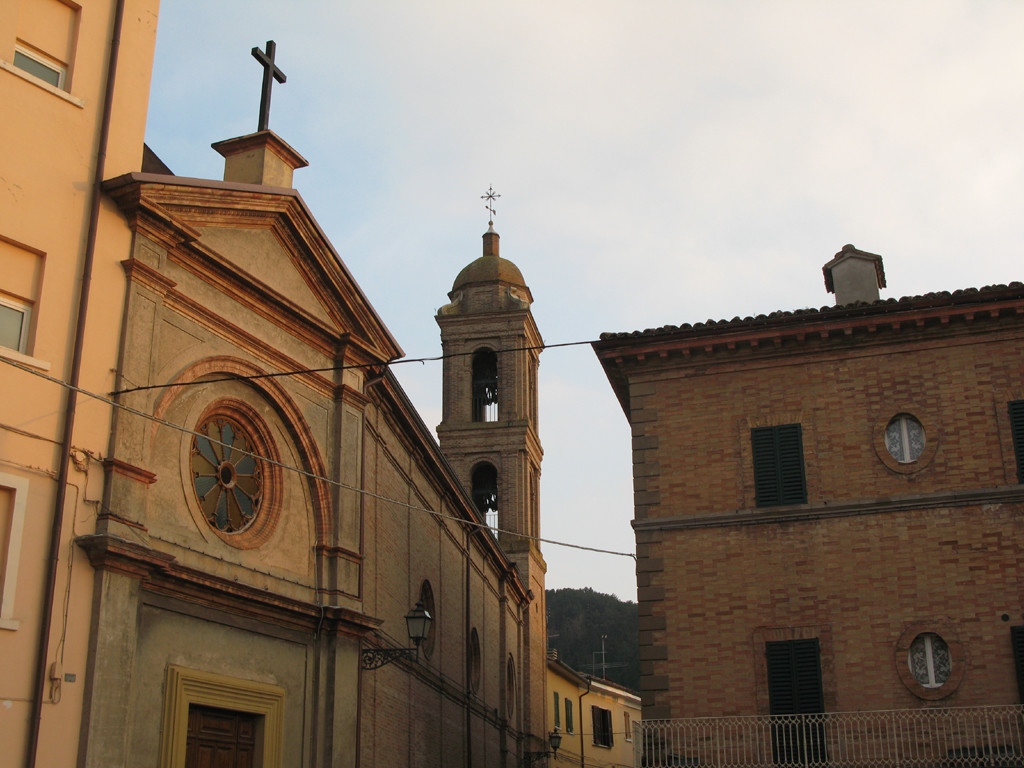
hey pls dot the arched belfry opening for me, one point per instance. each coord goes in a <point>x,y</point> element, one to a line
<point>485,494</point>
<point>485,385</point>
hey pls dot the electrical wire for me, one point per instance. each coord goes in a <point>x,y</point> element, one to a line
<point>335,368</point>
<point>313,475</point>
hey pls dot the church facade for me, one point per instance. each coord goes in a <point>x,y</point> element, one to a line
<point>263,535</point>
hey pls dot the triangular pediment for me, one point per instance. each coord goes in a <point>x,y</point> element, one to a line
<point>260,254</point>
<point>262,243</point>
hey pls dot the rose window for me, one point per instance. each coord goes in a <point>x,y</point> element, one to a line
<point>228,480</point>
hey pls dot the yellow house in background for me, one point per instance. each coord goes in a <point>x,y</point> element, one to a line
<point>593,716</point>
<point>74,82</point>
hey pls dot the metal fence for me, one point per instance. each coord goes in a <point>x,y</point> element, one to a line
<point>962,737</point>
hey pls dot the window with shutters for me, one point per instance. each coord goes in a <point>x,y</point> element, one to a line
<point>795,695</point>
<point>1017,431</point>
<point>602,720</point>
<point>558,712</point>
<point>568,716</point>
<point>1017,643</point>
<point>778,465</point>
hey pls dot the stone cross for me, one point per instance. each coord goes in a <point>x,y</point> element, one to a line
<point>271,72</point>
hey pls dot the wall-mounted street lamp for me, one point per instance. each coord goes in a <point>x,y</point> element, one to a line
<point>554,738</point>
<point>417,622</point>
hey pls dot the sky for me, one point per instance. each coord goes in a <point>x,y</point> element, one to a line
<point>658,163</point>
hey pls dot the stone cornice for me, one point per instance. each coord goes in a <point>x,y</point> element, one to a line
<point>154,202</point>
<point>1013,494</point>
<point>809,332</point>
<point>160,573</point>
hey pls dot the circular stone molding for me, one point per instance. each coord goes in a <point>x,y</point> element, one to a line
<point>916,413</point>
<point>235,491</point>
<point>957,659</point>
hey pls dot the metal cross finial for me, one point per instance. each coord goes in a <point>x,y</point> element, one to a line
<point>490,197</point>
<point>271,72</point>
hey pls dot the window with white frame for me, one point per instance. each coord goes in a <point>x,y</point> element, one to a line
<point>929,659</point>
<point>48,71</point>
<point>46,41</point>
<point>13,499</point>
<point>15,320</point>
<point>904,438</point>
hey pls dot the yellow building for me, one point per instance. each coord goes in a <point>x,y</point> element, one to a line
<point>74,113</point>
<point>593,716</point>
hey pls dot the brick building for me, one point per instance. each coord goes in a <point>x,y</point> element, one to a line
<point>828,503</point>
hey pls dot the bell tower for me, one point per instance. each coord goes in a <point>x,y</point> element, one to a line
<point>489,429</point>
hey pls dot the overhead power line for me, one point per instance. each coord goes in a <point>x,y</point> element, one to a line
<point>313,475</point>
<point>335,368</point>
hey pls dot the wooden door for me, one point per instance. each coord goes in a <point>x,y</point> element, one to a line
<point>220,738</point>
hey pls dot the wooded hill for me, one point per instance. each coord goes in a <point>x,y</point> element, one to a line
<point>577,620</point>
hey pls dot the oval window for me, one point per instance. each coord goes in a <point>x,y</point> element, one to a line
<point>904,438</point>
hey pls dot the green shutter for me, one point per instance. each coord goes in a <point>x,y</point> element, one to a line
<point>1017,431</point>
<point>1017,643</point>
<point>792,487</point>
<point>778,465</point>
<point>794,688</point>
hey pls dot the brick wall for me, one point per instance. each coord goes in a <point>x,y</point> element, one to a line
<point>881,552</point>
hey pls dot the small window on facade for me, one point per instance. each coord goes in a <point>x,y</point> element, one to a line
<point>1017,432</point>
<point>628,723</point>
<point>474,660</point>
<point>929,660</point>
<point>511,694</point>
<point>568,716</point>
<point>14,324</point>
<point>485,386</point>
<point>485,493</point>
<point>37,66</point>
<point>602,726</point>
<point>778,465</point>
<point>904,438</point>
<point>558,712</point>
<point>427,598</point>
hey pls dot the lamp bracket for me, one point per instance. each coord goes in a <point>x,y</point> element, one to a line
<point>375,658</point>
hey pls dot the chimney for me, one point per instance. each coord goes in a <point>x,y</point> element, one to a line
<point>259,158</point>
<point>854,276</point>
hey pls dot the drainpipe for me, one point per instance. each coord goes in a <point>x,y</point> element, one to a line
<point>467,630</point>
<point>583,760</point>
<point>71,403</point>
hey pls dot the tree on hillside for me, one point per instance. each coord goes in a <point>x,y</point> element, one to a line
<point>577,621</point>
